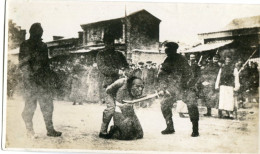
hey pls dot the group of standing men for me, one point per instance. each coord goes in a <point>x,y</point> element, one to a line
<point>39,80</point>
<point>177,81</point>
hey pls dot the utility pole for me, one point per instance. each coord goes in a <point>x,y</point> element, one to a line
<point>126,42</point>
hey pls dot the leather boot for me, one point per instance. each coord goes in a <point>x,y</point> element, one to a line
<point>103,132</point>
<point>169,129</point>
<point>195,129</point>
<point>53,133</point>
<point>208,112</point>
<point>49,126</point>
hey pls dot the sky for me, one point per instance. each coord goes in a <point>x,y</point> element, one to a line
<point>179,21</point>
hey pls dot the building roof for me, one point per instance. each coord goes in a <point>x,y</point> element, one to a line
<point>89,49</point>
<point>208,46</point>
<point>240,23</point>
<point>118,19</point>
<point>61,42</point>
<point>247,23</point>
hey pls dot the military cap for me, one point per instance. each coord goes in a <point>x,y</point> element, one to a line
<point>149,62</point>
<point>171,45</point>
<point>141,63</point>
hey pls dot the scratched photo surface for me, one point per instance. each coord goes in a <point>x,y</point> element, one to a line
<point>131,76</point>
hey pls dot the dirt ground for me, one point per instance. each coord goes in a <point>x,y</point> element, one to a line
<point>80,125</point>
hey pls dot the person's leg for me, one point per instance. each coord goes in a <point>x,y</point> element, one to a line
<point>208,105</point>
<point>107,115</point>
<point>220,115</point>
<point>28,112</point>
<point>166,108</point>
<point>208,112</point>
<point>194,118</point>
<point>46,105</point>
<point>193,112</point>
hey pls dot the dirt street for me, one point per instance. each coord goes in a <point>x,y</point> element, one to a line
<point>80,125</point>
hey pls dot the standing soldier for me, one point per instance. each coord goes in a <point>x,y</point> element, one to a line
<point>182,108</point>
<point>78,88</point>
<point>109,63</point>
<point>139,70</point>
<point>196,70</point>
<point>155,75</point>
<point>208,79</point>
<point>37,79</point>
<point>176,80</point>
<point>147,76</point>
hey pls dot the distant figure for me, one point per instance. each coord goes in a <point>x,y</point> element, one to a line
<point>126,124</point>
<point>78,88</point>
<point>155,75</point>
<point>92,81</point>
<point>12,79</point>
<point>242,93</point>
<point>253,73</point>
<point>109,63</point>
<point>139,70</point>
<point>177,81</point>
<point>227,82</point>
<point>208,79</point>
<point>148,78</point>
<point>38,80</point>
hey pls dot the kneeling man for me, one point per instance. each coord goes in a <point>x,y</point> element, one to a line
<point>126,124</point>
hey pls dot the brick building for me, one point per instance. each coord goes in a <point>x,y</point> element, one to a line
<point>139,30</point>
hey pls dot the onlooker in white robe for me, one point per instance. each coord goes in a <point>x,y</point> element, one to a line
<point>227,82</point>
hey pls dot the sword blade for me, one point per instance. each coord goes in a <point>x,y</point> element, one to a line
<point>141,99</point>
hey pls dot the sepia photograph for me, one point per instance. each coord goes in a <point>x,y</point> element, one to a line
<point>130,77</point>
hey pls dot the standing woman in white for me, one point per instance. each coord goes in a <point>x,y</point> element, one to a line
<point>227,82</point>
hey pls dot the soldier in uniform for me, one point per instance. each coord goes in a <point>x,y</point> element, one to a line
<point>37,79</point>
<point>177,82</point>
<point>208,79</point>
<point>109,63</point>
<point>155,75</point>
<point>147,76</point>
<point>139,70</point>
<point>78,87</point>
<point>196,70</point>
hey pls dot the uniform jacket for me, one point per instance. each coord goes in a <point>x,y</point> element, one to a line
<point>109,62</point>
<point>176,69</point>
<point>34,63</point>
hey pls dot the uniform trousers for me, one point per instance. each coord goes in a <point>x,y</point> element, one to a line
<point>189,97</point>
<point>32,94</point>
